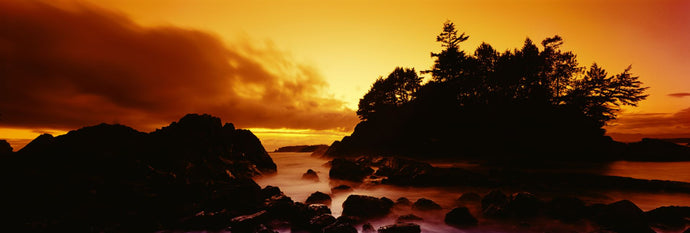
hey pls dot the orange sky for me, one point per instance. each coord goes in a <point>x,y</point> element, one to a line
<point>315,56</point>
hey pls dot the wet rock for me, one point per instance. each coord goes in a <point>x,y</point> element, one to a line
<point>341,189</point>
<point>250,222</point>
<point>340,227</point>
<point>460,217</point>
<point>424,204</point>
<point>270,191</point>
<point>368,228</point>
<point>310,175</point>
<point>467,198</point>
<point>400,228</point>
<point>623,217</point>
<point>408,218</point>
<point>318,209</point>
<point>493,204</point>
<point>687,230</point>
<point>348,170</point>
<point>5,148</point>
<point>669,217</point>
<point>566,209</point>
<point>366,207</point>
<point>403,201</point>
<point>280,207</point>
<point>523,205</point>
<point>318,198</point>
<point>317,223</point>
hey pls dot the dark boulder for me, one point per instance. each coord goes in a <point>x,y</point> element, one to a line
<point>669,217</point>
<point>460,217</point>
<point>408,218</point>
<point>622,217</point>
<point>318,223</point>
<point>280,207</point>
<point>5,148</point>
<point>469,198</point>
<point>524,205</point>
<point>310,175</point>
<point>348,170</point>
<point>368,228</point>
<point>567,209</point>
<point>318,198</point>
<point>366,207</point>
<point>494,203</point>
<point>342,224</point>
<point>403,201</point>
<point>318,209</point>
<point>687,230</point>
<point>424,204</point>
<point>270,191</point>
<point>400,228</point>
<point>248,223</point>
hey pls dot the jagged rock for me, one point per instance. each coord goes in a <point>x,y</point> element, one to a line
<point>669,217</point>
<point>493,204</point>
<point>310,175</point>
<point>318,223</point>
<point>270,191</point>
<point>523,205</point>
<point>460,217</point>
<point>280,206</point>
<point>337,228</point>
<point>566,209</point>
<point>5,148</point>
<point>348,170</point>
<point>424,204</point>
<point>623,217</point>
<point>366,207</point>
<point>318,209</point>
<point>468,198</point>
<point>368,228</point>
<point>400,228</point>
<point>319,198</point>
<point>408,218</point>
<point>341,189</point>
<point>403,201</point>
<point>248,223</point>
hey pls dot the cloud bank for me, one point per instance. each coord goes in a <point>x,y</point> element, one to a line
<point>67,68</point>
<point>679,95</point>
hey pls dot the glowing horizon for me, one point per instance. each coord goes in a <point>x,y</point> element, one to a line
<point>324,56</point>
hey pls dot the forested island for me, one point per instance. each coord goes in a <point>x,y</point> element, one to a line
<point>527,104</point>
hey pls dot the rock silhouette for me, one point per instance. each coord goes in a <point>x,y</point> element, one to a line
<point>191,174</point>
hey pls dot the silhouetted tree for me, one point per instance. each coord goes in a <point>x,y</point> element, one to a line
<point>449,62</point>
<point>390,92</point>
<point>600,96</point>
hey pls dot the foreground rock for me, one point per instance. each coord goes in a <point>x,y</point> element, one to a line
<point>193,174</point>
<point>622,216</point>
<point>366,207</point>
<point>669,217</point>
<point>348,170</point>
<point>318,198</point>
<point>310,175</point>
<point>423,204</point>
<point>460,217</point>
<point>400,228</point>
<point>5,148</point>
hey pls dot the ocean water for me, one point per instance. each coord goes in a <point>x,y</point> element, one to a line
<point>291,166</point>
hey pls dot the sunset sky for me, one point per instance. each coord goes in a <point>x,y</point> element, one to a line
<point>293,71</point>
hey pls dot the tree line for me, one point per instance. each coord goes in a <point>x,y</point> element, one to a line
<point>534,100</point>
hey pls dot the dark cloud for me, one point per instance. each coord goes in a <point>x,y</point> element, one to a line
<point>679,95</point>
<point>67,68</point>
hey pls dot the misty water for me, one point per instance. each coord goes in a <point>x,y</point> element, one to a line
<point>291,166</point>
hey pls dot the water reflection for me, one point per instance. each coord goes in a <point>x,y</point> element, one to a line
<point>291,166</point>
